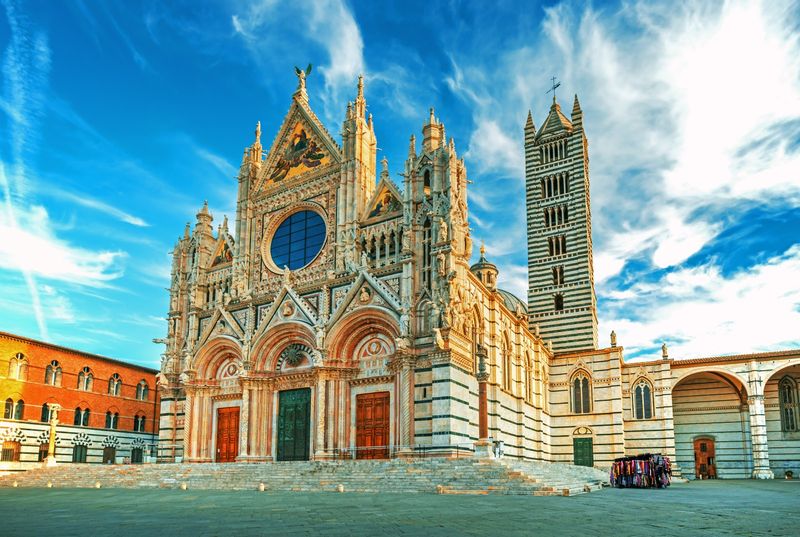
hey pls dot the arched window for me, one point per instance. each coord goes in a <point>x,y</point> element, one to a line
<point>9,409</point>
<point>426,183</point>
<point>112,420</point>
<point>790,409</point>
<point>138,424</point>
<point>643,401</point>
<point>142,390</point>
<point>137,455</point>
<point>563,244</point>
<point>45,413</point>
<point>18,367</point>
<point>581,396</point>
<point>426,254</point>
<point>85,379</point>
<point>114,384</point>
<point>52,374</point>
<point>19,410</point>
<point>558,302</point>
<point>507,377</point>
<point>79,453</point>
<point>81,417</point>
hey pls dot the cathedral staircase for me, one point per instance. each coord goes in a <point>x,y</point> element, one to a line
<point>433,475</point>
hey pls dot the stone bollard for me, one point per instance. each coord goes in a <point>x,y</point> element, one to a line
<point>97,485</point>
<point>439,489</point>
<point>183,486</point>
<point>15,484</point>
<point>49,484</point>
<point>340,488</point>
<point>261,487</point>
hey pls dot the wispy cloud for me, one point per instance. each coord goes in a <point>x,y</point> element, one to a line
<point>96,204</point>
<point>264,28</point>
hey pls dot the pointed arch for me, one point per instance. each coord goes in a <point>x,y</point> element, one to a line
<point>643,407</point>
<point>216,350</point>
<point>580,384</point>
<point>269,346</point>
<point>351,330</point>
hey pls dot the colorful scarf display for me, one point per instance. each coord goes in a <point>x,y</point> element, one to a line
<point>641,471</point>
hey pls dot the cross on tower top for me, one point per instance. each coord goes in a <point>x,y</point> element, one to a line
<point>553,88</point>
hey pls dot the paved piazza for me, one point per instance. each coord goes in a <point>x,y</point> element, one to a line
<point>729,507</point>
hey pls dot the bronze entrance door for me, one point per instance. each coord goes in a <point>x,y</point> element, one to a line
<point>294,417</point>
<point>109,455</point>
<point>372,425</point>
<point>705,460</point>
<point>227,434</point>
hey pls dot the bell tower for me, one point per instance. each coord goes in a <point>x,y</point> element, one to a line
<point>561,298</point>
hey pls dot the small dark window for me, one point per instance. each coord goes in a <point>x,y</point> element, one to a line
<point>109,455</point>
<point>426,183</point>
<point>137,455</point>
<point>19,410</point>
<point>45,413</point>
<point>9,409</point>
<point>79,454</point>
<point>558,302</point>
<point>43,450</point>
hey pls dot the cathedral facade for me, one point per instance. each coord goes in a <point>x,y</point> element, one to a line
<point>342,319</point>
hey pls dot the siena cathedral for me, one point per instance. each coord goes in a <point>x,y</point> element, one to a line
<point>342,318</point>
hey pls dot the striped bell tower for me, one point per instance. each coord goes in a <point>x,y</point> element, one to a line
<point>561,299</point>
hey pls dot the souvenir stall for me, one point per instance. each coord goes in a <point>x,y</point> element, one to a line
<point>641,471</point>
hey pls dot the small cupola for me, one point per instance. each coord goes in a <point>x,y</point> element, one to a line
<point>485,271</point>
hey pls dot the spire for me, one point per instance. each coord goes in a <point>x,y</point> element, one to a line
<point>432,119</point>
<point>529,126</point>
<point>412,147</point>
<point>483,253</point>
<point>384,168</point>
<point>371,126</point>
<point>258,132</point>
<point>224,224</point>
<point>204,219</point>
<point>186,230</point>
<point>577,113</point>
<point>361,103</point>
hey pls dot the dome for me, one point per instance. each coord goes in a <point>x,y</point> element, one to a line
<point>511,301</point>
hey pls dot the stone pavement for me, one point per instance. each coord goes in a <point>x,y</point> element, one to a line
<point>698,508</point>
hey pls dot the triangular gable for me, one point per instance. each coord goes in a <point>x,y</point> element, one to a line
<point>385,201</point>
<point>301,145</point>
<point>366,291</point>
<point>288,306</point>
<point>221,323</point>
<point>223,253</point>
<point>555,123</point>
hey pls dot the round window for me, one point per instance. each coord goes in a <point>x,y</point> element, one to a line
<point>298,240</point>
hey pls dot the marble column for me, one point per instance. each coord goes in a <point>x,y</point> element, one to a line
<point>244,424</point>
<point>483,447</point>
<point>758,438</point>
<point>405,400</point>
<point>319,424</point>
<point>188,430</point>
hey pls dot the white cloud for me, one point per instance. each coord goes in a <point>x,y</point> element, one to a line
<point>29,246</point>
<point>93,203</point>
<point>330,24</point>
<point>700,312</point>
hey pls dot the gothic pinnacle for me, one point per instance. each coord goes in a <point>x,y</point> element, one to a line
<point>258,132</point>
<point>529,122</point>
<point>412,147</point>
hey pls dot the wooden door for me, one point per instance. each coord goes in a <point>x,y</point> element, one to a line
<point>372,425</point>
<point>294,422</point>
<point>705,461</point>
<point>109,455</point>
<point>227,434</point>
<point>583,451</point>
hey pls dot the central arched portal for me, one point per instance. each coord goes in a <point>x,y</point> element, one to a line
<point>294,425</point>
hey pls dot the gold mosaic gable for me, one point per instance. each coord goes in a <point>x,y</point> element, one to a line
<point>385,201</point>
<point>302,146</point>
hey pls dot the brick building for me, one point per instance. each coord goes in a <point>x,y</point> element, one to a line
<point>108,407</point>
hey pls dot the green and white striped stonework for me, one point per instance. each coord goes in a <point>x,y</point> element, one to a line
<point>574,327</point>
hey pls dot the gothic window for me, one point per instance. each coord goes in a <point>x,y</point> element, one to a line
<point>543,188</point>
<point>790,409</point>
<point>643,401</point>
<point>142,391</point>
<point>14,411</point>
<point>565,215</point>
<point>81,417</point>
<point>426,184</point>
<point>9,409</point>
<point>298,240</point>
<point>546,218</point>
<point>114,384</point>
<point>137,456</point>
<point>19,410</point>
<point>10,452</point>
<point>558,302</point>
<point>426,254</point>
<point>507,377</point>
<point>45,417</point>
<point>79,453</point>
<point>566,182</point>
<point>52,374</point>
<point>18,367</point>
<point>138,424</point>
<point>85,379</point>
<point>112,420</point>
<point>528,380</point>
<point>581,396</point>
<point>558,275</point>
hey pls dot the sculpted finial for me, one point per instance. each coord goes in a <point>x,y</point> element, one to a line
<point>301,78</point>
<point>664,352</point>
<point>258,132</point>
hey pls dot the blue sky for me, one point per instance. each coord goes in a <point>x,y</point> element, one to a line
<point>119,118</point>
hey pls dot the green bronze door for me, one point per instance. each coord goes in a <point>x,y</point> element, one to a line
<point>294,413</point>
<point>582,451</point>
